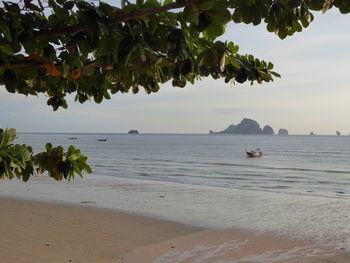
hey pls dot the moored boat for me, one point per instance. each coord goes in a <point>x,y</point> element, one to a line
<point>256,153</point>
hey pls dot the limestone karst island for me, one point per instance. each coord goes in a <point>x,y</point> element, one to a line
<point>249,126</point>
<point>133,132</point>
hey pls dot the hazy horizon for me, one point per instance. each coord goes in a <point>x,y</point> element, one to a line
<point>312,94</point>
<point>176,133</point>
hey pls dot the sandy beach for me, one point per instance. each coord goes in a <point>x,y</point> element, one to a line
<point>42,232</point>
<point>45,232</point>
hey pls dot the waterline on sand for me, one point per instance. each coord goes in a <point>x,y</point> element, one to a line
<point>316,219</point>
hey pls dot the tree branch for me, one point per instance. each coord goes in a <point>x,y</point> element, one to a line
<point>28,62</point>
<point>119,18</point>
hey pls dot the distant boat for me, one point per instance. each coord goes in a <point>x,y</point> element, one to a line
<point>101,140</point>
<point>256,153</point>
<point>72,138</point>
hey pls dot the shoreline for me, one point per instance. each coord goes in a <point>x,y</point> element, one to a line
<point>34,231</point>
<point>302,217</point>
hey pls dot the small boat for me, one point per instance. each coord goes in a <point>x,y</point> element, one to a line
<point>101,140</point>
<point>72,138</point>
<point>256,153</point>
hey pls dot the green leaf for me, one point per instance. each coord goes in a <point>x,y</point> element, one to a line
<point>233,48</point>
<point>152,3</point>
<point>275,74</point>
<point>11,135</point>
<point>237,16</point>
<point>62,14</point>
<point>215,29</point>
<point>69,5</point>
<point>12,7</point>
<point>4,139</point>
<point>5,30</point>
<point>250,2</point>
<point>233,62</point>
<point>203,5</point>
<point>203,21</point>
<point>327,5</point>
<point>48,147</point>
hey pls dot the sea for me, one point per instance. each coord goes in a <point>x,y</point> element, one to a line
<point>299,188</point>
<point>293,164</point>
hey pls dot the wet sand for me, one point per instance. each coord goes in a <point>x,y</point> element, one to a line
<point>235,246</point>
<point>43,232</point>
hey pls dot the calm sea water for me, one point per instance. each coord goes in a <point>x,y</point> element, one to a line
<point>307,165</point>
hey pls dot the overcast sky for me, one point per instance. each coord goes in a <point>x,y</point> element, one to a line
<point>312,95</point>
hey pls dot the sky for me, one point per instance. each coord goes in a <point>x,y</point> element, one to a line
<point>312,95</point>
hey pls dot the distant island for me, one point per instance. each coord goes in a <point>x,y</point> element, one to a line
<point>267,130</point>
<point>248,126</point>
<point>282,132</point>
<point>133,132</point>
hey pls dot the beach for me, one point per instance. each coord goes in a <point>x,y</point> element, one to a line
<point>43,232</point>
<point>117,220</point>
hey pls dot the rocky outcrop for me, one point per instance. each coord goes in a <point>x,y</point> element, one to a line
<point>133,132</point>
<point>267,130</point>
<point>282,132</point>
<point>246,126</point>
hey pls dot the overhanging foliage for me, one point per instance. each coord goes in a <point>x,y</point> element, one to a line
<point>20,161</point>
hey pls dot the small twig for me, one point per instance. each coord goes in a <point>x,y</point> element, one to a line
<point>41,5</point>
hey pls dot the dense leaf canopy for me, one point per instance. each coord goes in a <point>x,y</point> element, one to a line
<point>93,49</point>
